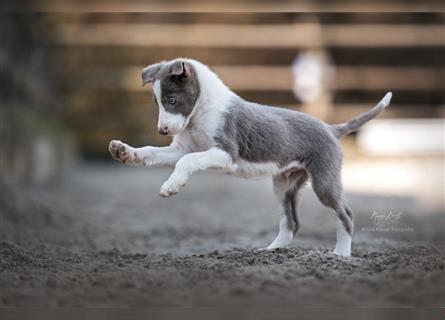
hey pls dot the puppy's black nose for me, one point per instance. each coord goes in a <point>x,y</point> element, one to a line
<point>163,131</point>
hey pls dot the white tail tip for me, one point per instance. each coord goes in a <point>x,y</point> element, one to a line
<point>387,99</point>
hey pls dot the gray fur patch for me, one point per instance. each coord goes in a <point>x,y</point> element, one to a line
<point>179,83</point>
<point>259,133</point>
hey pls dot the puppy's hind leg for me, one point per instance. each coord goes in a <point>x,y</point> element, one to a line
<point>344,233</point>
<point>286,188</point>
<point>327,187</point>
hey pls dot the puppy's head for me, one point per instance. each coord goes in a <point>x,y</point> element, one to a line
<point>175,91</point>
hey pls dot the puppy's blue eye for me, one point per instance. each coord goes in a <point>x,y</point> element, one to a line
<point>172,100</point>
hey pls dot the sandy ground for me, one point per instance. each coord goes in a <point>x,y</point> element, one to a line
<point>104,237</point>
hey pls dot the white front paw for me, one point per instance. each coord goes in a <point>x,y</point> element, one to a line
<point>123,152</point>
<point>120,151</point>
<point>171,187</point>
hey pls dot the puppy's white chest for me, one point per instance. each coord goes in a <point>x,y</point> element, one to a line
<point>194,140</point>
<point>201,140</point>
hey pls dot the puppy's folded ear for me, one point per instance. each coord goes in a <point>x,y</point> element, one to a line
<point>179,68</point>
<point>149,73</point>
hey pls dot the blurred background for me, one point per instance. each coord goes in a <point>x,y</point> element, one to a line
<point>77,228</point>
<point>70,82</point>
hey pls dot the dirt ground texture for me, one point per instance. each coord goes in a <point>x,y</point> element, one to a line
<point>104,237</point>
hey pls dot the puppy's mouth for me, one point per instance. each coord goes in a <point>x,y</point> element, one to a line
<point>178,126</point>
<point>175,132</point>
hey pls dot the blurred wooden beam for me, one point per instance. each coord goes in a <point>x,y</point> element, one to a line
<point>419,78</point>
<point>266,36</point>
<point>243,17</point>
<point>94,56</point>
<point>409,103</point>
<point>384,35</point>
<point>275,78</point>
<point>237,6</point>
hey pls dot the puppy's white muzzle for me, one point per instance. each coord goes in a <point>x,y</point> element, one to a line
<point>170,123</point>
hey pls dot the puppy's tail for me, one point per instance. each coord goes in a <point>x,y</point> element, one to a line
<point>343,129</point>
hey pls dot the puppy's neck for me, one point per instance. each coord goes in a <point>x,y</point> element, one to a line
<point>213,99</point>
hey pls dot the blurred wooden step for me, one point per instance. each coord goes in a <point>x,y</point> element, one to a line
<point>433,98</point>
<point>282,35</point>
<point>244,17</point>
<point>102,55</point>
<point>259,78</point>
<point>236,6</point>
<point>180,17</point>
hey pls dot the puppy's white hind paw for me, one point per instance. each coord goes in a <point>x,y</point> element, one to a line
<point>343,253</point>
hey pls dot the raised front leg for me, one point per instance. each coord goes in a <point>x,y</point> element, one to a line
<point>145,156</point>
<point>213,158</point>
